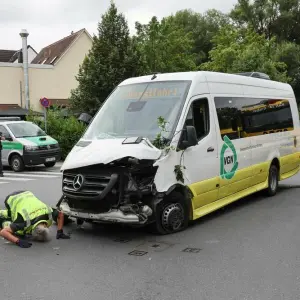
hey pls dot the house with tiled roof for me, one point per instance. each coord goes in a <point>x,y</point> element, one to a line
<point>52,72</point>
<point>6,55</point>
<point>15,56</point>
<point>51,54</point>
<point>18,56</point>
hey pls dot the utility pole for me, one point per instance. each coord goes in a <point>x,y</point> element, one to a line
<point>24,34</point>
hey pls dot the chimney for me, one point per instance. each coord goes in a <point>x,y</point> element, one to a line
<point>24,34</point>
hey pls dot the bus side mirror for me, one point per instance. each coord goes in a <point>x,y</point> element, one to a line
<point>189,137</point>
<point>85,118</point>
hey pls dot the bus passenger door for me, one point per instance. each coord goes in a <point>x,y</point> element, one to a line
<point>201,162</point>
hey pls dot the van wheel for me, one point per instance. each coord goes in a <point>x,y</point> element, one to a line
<point>16,163</point>
<point>50,164</point>
<point>272,181</point>
<point>172,215</point>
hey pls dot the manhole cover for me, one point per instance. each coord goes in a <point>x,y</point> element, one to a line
<point>192,250</point>
<point>153,246</point>
<point>137,253</point>
<point>122,240</point>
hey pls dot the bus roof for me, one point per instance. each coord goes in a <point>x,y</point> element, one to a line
<point>212,77</point>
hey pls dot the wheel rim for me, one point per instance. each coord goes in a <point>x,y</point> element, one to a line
<point>173,217</point>
<point>273,180</point>
<point>16,164</point>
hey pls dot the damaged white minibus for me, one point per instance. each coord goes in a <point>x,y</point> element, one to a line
<point>221,137</point>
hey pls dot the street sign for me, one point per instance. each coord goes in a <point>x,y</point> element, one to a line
<point>45,102</point>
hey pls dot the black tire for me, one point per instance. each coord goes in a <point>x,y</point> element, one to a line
<point>50,164</point>
<point>79,222</point>
<point>172,215</point>
<point>16,163</point>
<point>273,180</point>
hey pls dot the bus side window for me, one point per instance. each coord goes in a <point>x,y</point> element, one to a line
<point>198,116</point>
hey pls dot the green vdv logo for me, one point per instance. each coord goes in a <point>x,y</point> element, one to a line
<point>228,158</point>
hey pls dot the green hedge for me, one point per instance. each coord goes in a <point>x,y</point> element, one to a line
<point>66,130</point>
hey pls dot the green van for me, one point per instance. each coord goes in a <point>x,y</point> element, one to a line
<point>26,144</point>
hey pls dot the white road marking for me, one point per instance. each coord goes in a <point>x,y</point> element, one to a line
<point>30,175</point>
<point>34,173</point>
<point>14,179</point>
<point>3,182</point>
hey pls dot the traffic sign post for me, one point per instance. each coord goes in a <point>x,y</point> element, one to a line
<point>45,103</point>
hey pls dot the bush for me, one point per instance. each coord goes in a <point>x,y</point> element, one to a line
<point>66,130</point>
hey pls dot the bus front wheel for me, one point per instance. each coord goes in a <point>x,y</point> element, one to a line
<point>172,215</point>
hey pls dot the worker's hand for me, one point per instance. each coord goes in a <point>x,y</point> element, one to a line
<point>60,235</point>
<point>23,244</point>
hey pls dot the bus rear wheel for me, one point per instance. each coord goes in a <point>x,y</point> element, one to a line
<point>273,180</point>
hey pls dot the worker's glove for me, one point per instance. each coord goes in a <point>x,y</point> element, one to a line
<point>23,244</point>
<point>60,235</point>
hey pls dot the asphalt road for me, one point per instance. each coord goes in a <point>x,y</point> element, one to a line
<point>249,250</point>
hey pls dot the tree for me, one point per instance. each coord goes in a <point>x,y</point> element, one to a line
<point>289,53</point>
<point>114,56</point>
<point>165,48</point>
<point>202,29</point>
<point>278,18</point>
<point>237,50</point>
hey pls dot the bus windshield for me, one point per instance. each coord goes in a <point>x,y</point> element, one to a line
<point>133,110</point>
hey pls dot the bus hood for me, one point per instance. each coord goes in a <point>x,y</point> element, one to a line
<point>106,151</point>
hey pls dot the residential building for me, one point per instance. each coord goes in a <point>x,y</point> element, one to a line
<point>16,56</point>
<point>51,73</point>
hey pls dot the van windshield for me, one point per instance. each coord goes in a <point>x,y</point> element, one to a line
<point>133,110</point>
<point>23,130</point>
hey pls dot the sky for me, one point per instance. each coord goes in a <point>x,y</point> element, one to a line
<point>50,20</point>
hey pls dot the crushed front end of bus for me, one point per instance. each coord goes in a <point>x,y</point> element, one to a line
<point>117,190</point>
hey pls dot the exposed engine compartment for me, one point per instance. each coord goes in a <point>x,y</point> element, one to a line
<point>121,191</point>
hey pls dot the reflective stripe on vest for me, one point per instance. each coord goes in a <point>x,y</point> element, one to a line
<point>27,218</point>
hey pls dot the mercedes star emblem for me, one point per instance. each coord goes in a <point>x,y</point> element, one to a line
<point>78,182</point>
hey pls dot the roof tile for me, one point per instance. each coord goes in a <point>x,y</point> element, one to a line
<point>5,55</point>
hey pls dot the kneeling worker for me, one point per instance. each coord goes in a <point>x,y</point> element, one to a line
<point>28,215</point>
